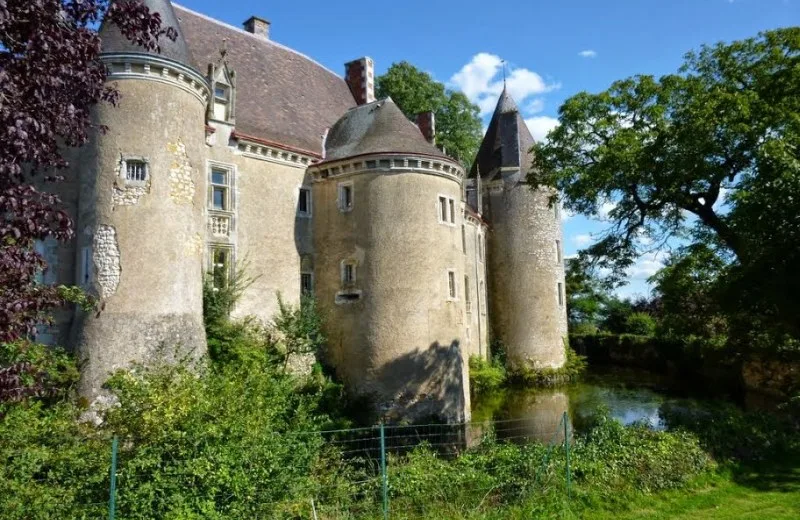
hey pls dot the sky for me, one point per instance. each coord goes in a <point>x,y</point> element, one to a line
<point>553,50</point>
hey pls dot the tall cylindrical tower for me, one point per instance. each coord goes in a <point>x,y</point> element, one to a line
<point>390,267</point>
<point>526,266</point>
<point>141,211</point>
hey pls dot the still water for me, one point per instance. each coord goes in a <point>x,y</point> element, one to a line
<point>628,395</point>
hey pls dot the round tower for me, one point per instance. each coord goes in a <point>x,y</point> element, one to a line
<point>389,269</point>
<point>141,211</point>
<point>526,266</point>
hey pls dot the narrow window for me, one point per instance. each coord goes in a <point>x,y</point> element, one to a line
<point>306,284</point>
<point>222,94</point>
<point>86,265</point>
<point>220,267</point>
<point>304,202</point>
<point>220,189</point>
<point>463,239</point>
<point>443,208</point>
<point>560,294</point>
<point>558,252</point>
<point>451,284</point>
<point>345,197</point>
<point>135,170</point>
<point>466,294</point>
<point>348,273</point>
<point>452,211</point>
<point>480,248</point>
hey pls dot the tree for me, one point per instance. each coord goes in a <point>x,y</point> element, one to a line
<point>587,296</point>
<point>50,78</point>
<point>458,125</point>
<point>665,149</point>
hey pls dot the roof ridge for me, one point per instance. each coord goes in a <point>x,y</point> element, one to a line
<point>254,36</point>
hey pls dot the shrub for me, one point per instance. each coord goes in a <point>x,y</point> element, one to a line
<point>30,370</point>
<point>485,375</point>
<point>573,368</point>
<point>640,323</point>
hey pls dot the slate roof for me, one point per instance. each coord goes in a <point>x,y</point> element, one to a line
<point>282,96</point>
<point>112,39</point>
<point>506,143</point>
<point>377,127</point>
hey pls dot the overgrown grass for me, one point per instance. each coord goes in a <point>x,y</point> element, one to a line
<point>485,375</point>
<point>573,369</point>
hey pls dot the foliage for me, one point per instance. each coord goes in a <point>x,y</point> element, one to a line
<point>587,294</point>
<point>298,329</point>
<point>573,368</point>
<point>50,79</point>
<point>661,148</point>
<point>458,125</point>
<point>30,370</point>
<point>485,375</point>
<point>640,323</point>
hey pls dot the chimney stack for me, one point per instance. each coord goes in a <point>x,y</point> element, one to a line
<point>426,121</point>
<point>257,26</point>
<point>360,77</point>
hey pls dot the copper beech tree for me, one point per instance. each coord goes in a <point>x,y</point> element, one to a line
<point>50,78</point>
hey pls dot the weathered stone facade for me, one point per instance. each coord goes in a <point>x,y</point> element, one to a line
<point>273,162</point>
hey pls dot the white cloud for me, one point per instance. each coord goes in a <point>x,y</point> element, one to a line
<point>534,106</point>
<point>566,214</point>
<point>582,240</point>
<point>588,53</point>
<point>606,208</point>
<point>481,81</point>
<point>646,266</point>
<point>540,126</point>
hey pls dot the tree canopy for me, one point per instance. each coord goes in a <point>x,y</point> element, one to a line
<point>710,154</point>
<point>458,124</point>
<point>50,78</point>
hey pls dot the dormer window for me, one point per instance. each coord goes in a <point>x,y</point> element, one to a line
<point>224,84</point>
<point>222,96</point>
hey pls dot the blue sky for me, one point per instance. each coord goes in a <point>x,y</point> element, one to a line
<point>554,49</point>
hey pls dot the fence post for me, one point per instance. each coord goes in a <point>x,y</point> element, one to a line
<point>112,493</point>
<point>566,446</point>
<point>384,477</point>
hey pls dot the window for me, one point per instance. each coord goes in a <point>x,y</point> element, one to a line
<point>304,203</point>
<point>466,294</point>
<point>464,239</point>
<point>306,284</point>
<point>451,285</point>
<point>135,170</point>
<point>346,197</point>
<point>221,265</point>
<point>222,98</point>
<point>481,250</point>
<point>447,210</point>
<point>220,189</point>
<point>558,252</point>
<point>86,265</point>
<point>560,294</point>
<point>348,272</point>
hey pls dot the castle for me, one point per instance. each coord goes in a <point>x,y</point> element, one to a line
<point>227,146</point>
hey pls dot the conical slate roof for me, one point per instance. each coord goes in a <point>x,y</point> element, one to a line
<point>112,39</point>
<point>506,143</point>
<point>377,127</point>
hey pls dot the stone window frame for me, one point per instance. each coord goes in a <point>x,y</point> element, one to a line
<point>451,284</point>
<point>211,266</point>
<point>309,201</point>
<point>560,295</point>
<point>481,247</point>
<point>341,189</point>
<point>123,171</point>
<point>446,209</point>
<point>559,253</point>
<point>310,290</point>
<point>348,265</point>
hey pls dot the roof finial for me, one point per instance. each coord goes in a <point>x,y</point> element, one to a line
<point>504,73</point>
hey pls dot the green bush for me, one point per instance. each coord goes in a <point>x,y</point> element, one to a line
<point>485,375</point>
<point>574,367</point>
<point>641,324</point>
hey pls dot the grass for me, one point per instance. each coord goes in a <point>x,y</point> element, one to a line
<point>769,492</point>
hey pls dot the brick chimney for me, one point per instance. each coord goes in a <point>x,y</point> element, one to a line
<point>360,77</point>
<point>426,121</point>
<point>257,26</point>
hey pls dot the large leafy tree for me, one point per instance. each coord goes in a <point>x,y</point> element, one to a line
<point>50,78</point>
<point>663,150</point>
<point>458,124</point>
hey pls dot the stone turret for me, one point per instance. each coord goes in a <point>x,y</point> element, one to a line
<point>526,269</point>
<point>141,226</point>
<point>390,265</point>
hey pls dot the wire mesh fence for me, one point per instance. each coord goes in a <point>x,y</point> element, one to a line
<point>384,471</point>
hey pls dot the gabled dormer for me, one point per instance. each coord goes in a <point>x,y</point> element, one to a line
<point>222,107</point>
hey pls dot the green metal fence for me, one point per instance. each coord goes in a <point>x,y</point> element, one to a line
<point>381,454</point>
